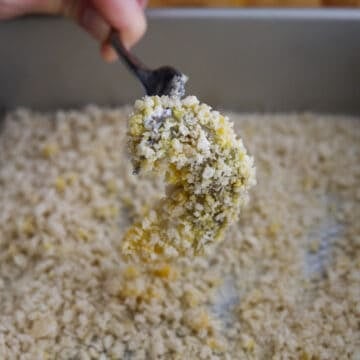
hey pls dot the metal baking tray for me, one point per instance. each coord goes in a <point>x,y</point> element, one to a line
<point>247,60</point>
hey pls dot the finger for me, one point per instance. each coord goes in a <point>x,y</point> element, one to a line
<point>142,3</point>
<point>85,14</point>
<point>108,53</point>
<point>92,21</point>
<point>126,16</point>
<point>11,9</point>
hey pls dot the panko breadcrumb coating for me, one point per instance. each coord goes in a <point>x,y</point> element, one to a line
<point>207,171</point>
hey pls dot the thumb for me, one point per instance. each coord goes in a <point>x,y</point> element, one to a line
<point>125,16</point>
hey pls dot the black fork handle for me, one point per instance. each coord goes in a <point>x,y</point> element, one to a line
<point>130,60</point>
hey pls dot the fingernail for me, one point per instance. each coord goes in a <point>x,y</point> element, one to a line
<point>94,24</point>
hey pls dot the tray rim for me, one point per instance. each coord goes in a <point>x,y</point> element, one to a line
<point>256,13</point>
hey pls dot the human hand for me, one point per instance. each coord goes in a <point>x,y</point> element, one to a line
<point>97,17</point>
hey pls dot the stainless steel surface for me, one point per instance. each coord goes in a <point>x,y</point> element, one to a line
<point>248,60</point>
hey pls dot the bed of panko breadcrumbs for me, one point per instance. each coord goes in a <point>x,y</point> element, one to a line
<point>284,284</point>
